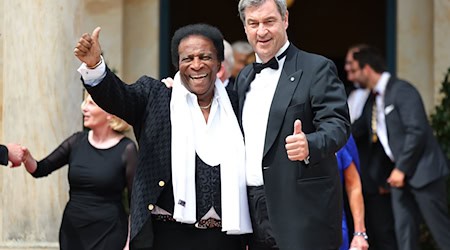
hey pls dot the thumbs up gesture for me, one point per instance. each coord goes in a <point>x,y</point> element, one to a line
<point>88,48</point>
<point>296,144</point>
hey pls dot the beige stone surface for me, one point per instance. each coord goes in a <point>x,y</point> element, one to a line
<point>423,47</point>
<point>41,94</point>
<point>41,107</point>
<point>141,39</point>
<point>1,75</point>
<point>415,46</point>
<point>107,14</point>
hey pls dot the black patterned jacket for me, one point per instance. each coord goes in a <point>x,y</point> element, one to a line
<point>146,106</point>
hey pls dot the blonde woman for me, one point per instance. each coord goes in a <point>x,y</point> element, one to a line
<point>101,164</point>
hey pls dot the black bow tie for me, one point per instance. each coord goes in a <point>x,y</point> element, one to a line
<point>272,63</point>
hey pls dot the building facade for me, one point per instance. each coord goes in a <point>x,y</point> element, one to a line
<point>41,93</point>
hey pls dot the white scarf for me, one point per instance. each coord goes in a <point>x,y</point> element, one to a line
<point>224,146</point>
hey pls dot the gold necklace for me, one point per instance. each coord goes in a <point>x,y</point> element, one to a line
<point>207,106</point>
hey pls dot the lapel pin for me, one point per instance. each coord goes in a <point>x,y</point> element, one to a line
<point>292,79</point>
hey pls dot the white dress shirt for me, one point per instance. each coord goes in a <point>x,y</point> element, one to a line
<point>255,115</point>
<point>356,101</point>
<point>380,88</point>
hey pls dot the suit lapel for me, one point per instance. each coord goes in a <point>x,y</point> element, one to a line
<point>387,92</point>
<point>289,79</point>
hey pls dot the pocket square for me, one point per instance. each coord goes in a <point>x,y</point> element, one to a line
<point>388,109</point>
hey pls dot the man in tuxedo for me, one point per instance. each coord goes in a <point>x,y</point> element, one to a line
<point>295,118</point>
<point>375,164</point>
<point>12,153</point>
<point>419,167</point>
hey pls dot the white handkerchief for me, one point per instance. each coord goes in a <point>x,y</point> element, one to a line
<point>388,109</point>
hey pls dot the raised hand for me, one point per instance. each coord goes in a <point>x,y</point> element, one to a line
<point>88,48</point>
<point>296,144</point>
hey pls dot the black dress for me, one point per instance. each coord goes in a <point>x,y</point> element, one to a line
<point>94,217</point>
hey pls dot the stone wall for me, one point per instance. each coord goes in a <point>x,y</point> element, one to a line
<point>40,91</point>
<point>41,95</point>
<point>423,50</point>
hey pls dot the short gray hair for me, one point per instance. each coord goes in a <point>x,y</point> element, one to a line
<point>244,4</point>
<point>242,47</point>
<point>228,56</point>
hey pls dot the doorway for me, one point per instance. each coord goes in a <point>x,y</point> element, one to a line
<point>324,27</point>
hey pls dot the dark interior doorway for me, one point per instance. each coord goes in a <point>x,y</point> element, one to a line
<point>323,27</point>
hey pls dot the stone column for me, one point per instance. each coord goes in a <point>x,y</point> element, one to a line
<point>1,76</point>
<point>41,95</point>
<point>108,14</point>
<point>415,52</point>
<point>141,39</point>
<point>41,107</point>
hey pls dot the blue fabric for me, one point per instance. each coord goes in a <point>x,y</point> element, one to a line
<point>345,156</point>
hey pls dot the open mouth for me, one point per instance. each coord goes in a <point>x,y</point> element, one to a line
<point>264,41</point>
<point>196,77</point>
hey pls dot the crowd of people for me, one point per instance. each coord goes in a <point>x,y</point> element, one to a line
<point>252,145</point>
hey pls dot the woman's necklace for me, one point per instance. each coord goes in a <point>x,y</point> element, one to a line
<point>207,106</point>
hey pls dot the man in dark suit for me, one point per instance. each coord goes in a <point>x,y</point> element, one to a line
<point>294,117</point>
<point>12,153</point>
<point>376,166</point>
<point>417,179</point>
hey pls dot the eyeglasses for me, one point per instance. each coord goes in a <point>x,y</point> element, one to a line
<point>354,70</point>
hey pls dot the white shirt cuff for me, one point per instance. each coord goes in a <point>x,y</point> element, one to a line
<point>92,77</point>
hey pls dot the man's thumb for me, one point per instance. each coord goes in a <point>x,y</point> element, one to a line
<point>297,127</point>
<point>96,33</point>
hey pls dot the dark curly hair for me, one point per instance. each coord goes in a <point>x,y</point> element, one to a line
<point>200,29</point>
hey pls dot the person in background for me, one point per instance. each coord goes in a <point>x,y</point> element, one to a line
<point>224,73</point>
<point>102,163</point>
<point>294,115</point>
<point>417,178</point>
<point>11,153</point>
<point>375,166</point>
<point>357,96</point>
<point>243,55</point>
<point>189,190</point>
<point>348,164</point>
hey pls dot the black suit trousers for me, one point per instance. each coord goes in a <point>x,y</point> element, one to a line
<point>379,220</point>
<point>429,202</point>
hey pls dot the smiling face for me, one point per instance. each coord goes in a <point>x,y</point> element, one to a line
<point>265,29</point>
<point>93,115</point>
<point>198,65</point>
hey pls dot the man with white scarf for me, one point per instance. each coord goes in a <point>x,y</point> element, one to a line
<point>189,189</point>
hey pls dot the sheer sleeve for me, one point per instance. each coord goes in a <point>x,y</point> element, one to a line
<point>3,155</point>
<point>130,156</point>
<point>58,158</point>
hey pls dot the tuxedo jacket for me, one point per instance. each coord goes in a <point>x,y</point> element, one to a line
<point>415,149</point>
<point>146,106</point>
<point>303,200</point>
<point>3,155</point>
